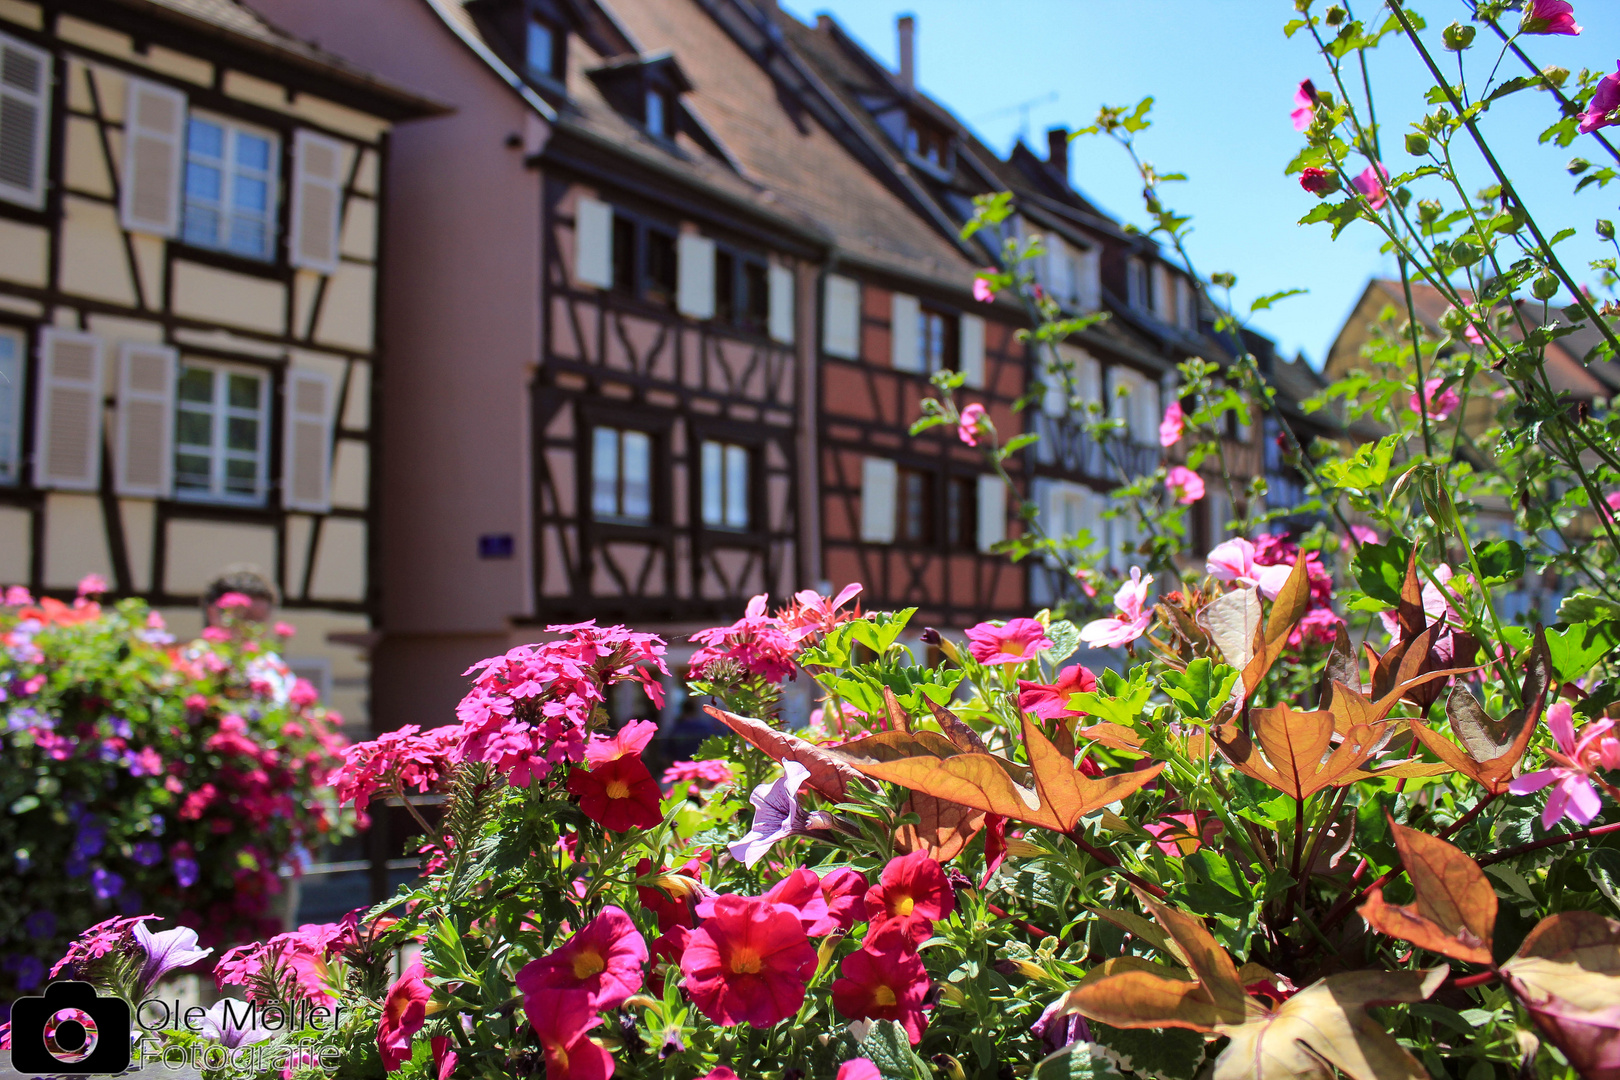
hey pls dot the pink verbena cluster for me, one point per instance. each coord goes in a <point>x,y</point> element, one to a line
<point>768,645</point>
<point>401,759</point>
<point>300,960</point>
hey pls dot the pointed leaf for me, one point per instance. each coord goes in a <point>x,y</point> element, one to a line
<point>965,738</point>
<point>898,720</point>
<point>1485,739</point>
<point>1341,667</point>
<point>1209,962</point>
<point>1136,999</point>
<point>828,775</point>
<point>1065,790</point>
<point>1233,621</point>
<point>944,830</point>
<point>1410,615</point>
<point>1455,913</point>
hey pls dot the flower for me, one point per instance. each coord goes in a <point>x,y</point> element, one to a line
<point>1438,407</point>
<point>983,291</point>
<point>92,585</point>
<point>859,1069</point>
<point>1304,105</point>
<point>1171,426</point>
<point>628,741</point>
<point>1318,182</point>
<point>720,1072</point>
<point>1051,701</point>
<point>604,959</point>
<point>1600,111</point>
<point>697,773</point>
<point>620,794</point>
<point>801,891</point>
<point>969,425</point>
<point>1131,619</point>
<point>1233,560</point>
<point>757,641</point>
<point>1183,834</point>
<point>285,630</point>
<point>1186,485</point>
<point>748,962</point>
<point>884,980</point>
<point>166,952</point>
<point>1371,185</point>
<point>913,893</point>
<point>1013,643</point>
<point>845,892</point>
<point>234,1023</point>
<point>444,1058</point>
<point>1549,17</point>
<point>404,1012</point>
<point>777,814</point>
<point>1359,534</point>
<point>562,1019</point>
<point>1577,758</point>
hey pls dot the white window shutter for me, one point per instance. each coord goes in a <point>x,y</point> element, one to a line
<point>1164,298</point>
<point>593,242</point>
<point>904,351</point>
<point>307,443</point>
<point>154,150</point>
<point>877,500</point>
<point>1145,418</point>
<point>694,274</point>
<point>781,300</point>
<point>992,511</point>
<point>145,447</point>
<point>1088,376</point>
<point>25,114</point>
<point>1089,287</point>
<point>67,445</point>
<point>841,326</point>
<point>970,344</point>
<point>1055,401</point>
<point>317,202</point>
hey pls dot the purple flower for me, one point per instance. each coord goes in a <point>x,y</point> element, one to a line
<point>105,884</point>
<point>158,824</point>
<point>233,1024</point>
<point>1549,17</point>
<point>1371,185</point>
<point>185,871</point>
<point>76,865</point>
<point>166,952</point>
<point>28,971</point>
<point>777,814</point>
<point>1600,110</point>
<point>121,728</point>
<point>92,835</point>
<point>1576,759</point>
<point>147,853</point>
<point>41,924</point>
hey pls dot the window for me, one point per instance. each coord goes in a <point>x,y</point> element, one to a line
<point>624,255</point>
<point>230,188</point>
<point>540,48</point>
<point>25,89</point>
<point>741,292</point>
<point>961,513</point>
<point>1138,288</point>
<point>621,476</point>
<point>658,283</point>
<point>928,142</point>
<point>644,261</point>
<point>916,507</point>
<point>12,349</point>
<point>659,114</point>
<point>936,340</point>
<point>725,486</point>
<point>222,423</point>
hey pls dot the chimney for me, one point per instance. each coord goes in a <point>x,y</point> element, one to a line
<point>907,27</point>
<point>1057,151</point>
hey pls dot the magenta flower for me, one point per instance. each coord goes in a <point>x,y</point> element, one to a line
<point>1318,182</point>
<point>1171,426</point>
<point>1440,403</point>
<point>1050,701</point>
<point>1186,485</point>
<point>1612,501</point>
<point>1129,622</point>
<point>1605,100</point>
<point>1577,758</point>
<point>1304,105</point>
<point>1017,641</point>
<point>1371,185</point>
<point>971,423</point>
<point>1233,560</point>
<point>92,585</point>
<point>1361,535</point>
<point>982,292</point>
<point>1549,17</point>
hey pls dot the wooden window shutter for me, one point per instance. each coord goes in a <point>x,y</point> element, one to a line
<point>593,243</point>
<point>781,300</point>
<point>154,148</point>
<point>25,107</point>
<point>317,202</point>
<point>970,343</point>
<point>1164,289</point>
<point>905,353</point>
<point>694,272</point>
<point>307,443</point>
<point>841,319</point>
<point>1089,288</point>
<point>992,511</point>
<point>67,446</point>
<point>878,477</point>
<point>1145,415</point>
<point>145,447</point>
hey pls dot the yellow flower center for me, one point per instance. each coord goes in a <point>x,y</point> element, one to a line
<point>903,906</point>
<point>745,962</point>
<point>617,789</point>
<point>588,962</point>
<point>883,997</point>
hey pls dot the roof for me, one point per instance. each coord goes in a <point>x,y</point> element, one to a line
<point>245,27</point>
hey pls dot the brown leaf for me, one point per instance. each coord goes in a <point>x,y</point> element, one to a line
<point>1410,614</point>
<point>1482,736</point>
<point>945,829</point>
<point>1455,913</point>
<point>1297,762</point>
<point>965,738</point>
<point>828,774</point>
<point>1292,601</point>
<point>1485,739</point>
<point>1233,621</point>
<point>1341,667</point>
<point>1143,1000</point>
<point>1567,974</point>
<point>898,720</point>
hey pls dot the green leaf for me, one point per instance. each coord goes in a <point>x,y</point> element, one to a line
<point>1366,469</point>
<point>1603,867</point>
<point>1500,561</point>
<point>1263,303</point>
<point>1160,1053</point>
<point>1200,690</point>
<point>888,1047</point>
<point>1065,638</point>
<point>1081,1061</point>
<point>1380,569</point>
<point>1576,648</point>
<point>1118,700</point>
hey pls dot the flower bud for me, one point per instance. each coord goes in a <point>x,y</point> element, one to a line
<point>1417,143</point>
<point>1457,37</point>
<point>1302,6</point>
<point>1319,182</point>
<point>1335,15</point>
<point>1544,287</point>
<point>930,636</point>
<point>1605,229</point>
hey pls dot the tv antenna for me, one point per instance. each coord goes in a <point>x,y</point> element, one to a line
<point>1022,108</point>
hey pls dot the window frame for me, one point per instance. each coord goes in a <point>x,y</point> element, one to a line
<point>729,450</point>
<point>950,355</point>
<point>220,410</point>
<point>925,519</point>
<point>557,61</point>
<point>11,445</point>
<point>1138,284</point>
<point>632,262</point>
<point>618,517</point>
<point>962,512</point>
<point>737,306</point>
<point>232,129</point>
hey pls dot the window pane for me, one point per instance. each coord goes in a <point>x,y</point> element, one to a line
<point>253,152</point>
<point>713,484</point>
<point>244,391</point>
<point>206,139</point>
<point>541,47</point>
<point>194,428</point>
<point>203,183</point>
<point>605,472</point>
<point>725,287</point>
<point>659,286</point>
<point>242,434</point>
<point>656,119</point>
<point>736,487</point>
<point>637,449</point>
<point>191,472</point>
<point>624,255</point>
<point>241,477</point>
<point>250,194</point>
<point>197,384</point>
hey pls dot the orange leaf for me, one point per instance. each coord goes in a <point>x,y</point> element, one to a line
<point>1292,601</point>
<point>1138,999</point>
<point>1297,762</point>
<point>1455,913</point>
<point>828,775</point>
<point>945,829</point>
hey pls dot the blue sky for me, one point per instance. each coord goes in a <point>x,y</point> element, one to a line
<point>1223,76</point>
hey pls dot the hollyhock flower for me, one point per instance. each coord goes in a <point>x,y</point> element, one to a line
<point>969,424</point>
<point>884,980</point>
<point>1318,182</point>
<point>982,290</point>
<point>404,1012</point>
<point>748,963</point>
<point>166,952</point>
<point>1233,560</point>
<point>1186,485</point>
<point>1131,619</point>
<point>1051,702</point>
<point>604,959</point>
<point>777,814</point>
<point>912,893</point>
<point>1549,17</point>
<point>619,795</point>
<point>1371,185</point>
<point>845,892</point>
<point>1013,643</point>
<point>1576,759</point>
<point>92,585</point>
<point>698,773</point>
<point>1438,407</point>
<point>859,1069</point>
<point>1304,105</point>
<point>1600,111</point>
<point>563,1020</point>
<point>1170,428</point>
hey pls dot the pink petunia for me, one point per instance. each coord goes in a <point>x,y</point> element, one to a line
<point>1185,485</point>
<point>982,291</point>
<point>1129,622</point>
<point>1017,641</point>
<point>1600,111</point>
<point>1576,759</point>
<point>748,963</point>
<point>1051,702</point>
<point>1304,105</point>
<point>605,960</point>
<point>1371,185</point>
<point>1171,426</point>
<point>1233,560</point>
<point>1440,403</point>
<point>859,1069</point>
<point>1549,17</point>
<point>971,424</point>
<point>404,1013</point>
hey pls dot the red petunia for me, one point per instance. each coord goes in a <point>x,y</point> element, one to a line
<point>845,893</point>
<point>604,959</point>
<point>884,980</point>
<point>619,794</point>
<point>913,891</point>
<point>748,963</point>
<point>676,910</point>
<point>1050,701</point>
<point>801,890</point>
<point>404,1013</point>
<point>562,1019</point>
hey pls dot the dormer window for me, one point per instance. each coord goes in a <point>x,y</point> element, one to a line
<point>1138,286</point>
<point>658,113</point>
<point>543,48</point>
<point>928,142</point>
<point>646,89</point>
